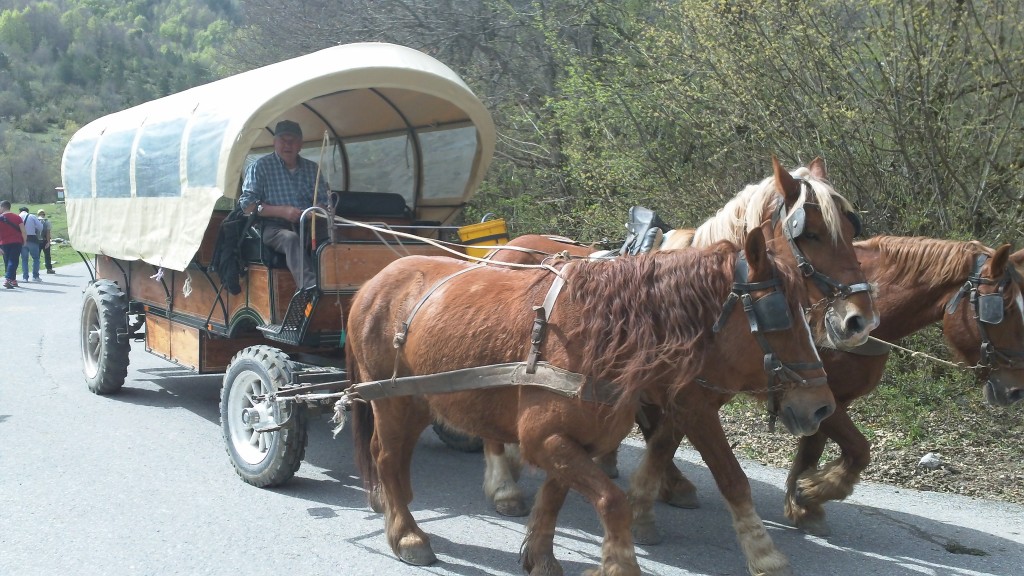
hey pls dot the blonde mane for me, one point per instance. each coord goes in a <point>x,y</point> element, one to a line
<point>755,203</point>
<point>909,260</point>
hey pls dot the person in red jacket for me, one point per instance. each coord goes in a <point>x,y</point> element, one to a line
<point>12,238</point>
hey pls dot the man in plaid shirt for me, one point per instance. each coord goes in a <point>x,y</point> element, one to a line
<point>278,187</point>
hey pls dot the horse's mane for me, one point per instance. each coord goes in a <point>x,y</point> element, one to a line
<point>685,289</point>
<point>755,203</point>
<point>906,260</point>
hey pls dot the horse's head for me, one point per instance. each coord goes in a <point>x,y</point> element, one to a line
<point>984,324</point>
<point>818,226</point>
<point>772,299</point>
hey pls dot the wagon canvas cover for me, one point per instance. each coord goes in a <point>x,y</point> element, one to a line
<point>142,183</point>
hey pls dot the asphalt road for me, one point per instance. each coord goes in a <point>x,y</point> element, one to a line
<point>139,483</point>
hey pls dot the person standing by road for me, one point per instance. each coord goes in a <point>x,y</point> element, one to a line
<point>30,249</point>
<point>12,238</point>
<point>44,241</point>
<point>278,187</point>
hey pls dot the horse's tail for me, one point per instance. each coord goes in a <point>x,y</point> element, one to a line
<point>362,432</point>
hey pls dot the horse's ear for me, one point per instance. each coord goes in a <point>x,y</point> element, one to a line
<point>997,265</point>
<point>785,184</point>
<point>756,250</point>
<point>817,168</point>
<point>1017,258</point>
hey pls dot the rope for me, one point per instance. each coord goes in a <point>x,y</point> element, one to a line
<point>443,245</point>
<point>916,354</point>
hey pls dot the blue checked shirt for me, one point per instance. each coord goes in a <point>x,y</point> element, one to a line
<point>268,180</point>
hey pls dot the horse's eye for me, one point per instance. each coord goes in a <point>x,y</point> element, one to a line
<point>808,235</point>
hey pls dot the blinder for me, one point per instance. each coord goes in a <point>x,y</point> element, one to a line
<point>769,313</point>
<point>990,308</point>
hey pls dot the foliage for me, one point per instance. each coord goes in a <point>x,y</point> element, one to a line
<point>64,63</point>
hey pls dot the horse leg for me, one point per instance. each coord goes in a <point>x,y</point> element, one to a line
<point>568,466</point>
<point>609,463</point>
<point>375,496</point>
<point>647,480</point>
<point>676,489</point>
<point>538,554</point>
<point>804,514</point>
<point>809,491</point>
<point>500,474</point>
<point>704,430</point>
<point>399,423</point>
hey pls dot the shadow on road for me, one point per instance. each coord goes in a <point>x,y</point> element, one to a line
<point>700,541</point>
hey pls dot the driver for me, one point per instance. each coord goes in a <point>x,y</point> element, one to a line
<point>278,187</point>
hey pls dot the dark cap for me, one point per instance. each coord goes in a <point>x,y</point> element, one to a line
<point>287,127</point>
<point>23,209</point>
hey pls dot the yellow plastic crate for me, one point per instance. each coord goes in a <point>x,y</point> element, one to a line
<point>487,233</point>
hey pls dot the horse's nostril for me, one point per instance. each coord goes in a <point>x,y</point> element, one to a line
<point>855,324</point>
<point>823,412</point>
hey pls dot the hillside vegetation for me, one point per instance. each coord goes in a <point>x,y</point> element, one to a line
<point>64,63</point>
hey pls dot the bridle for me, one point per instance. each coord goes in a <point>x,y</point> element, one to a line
<point>792,230</point>
<point>769,313</point>
<point>988,310</point>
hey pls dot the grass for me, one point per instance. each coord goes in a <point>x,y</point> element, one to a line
<point>60,254</point>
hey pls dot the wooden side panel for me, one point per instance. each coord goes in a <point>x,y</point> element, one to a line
<point>158,336</point>
<point>348,266</point>
<point>217,352</point>
<point>171,341</point>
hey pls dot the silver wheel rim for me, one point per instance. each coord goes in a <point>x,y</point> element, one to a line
<point>251,446</point>
<point>92,342</point>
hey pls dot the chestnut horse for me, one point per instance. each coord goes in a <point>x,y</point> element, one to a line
<point>813,227</point>
<point>659,326</point>
<point>972,290</point>
<point>919,281</point>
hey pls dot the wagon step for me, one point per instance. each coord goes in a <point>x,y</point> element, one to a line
<point>292,329</point>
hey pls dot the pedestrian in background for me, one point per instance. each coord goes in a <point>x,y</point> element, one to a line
<point>12,238</point>
<point>30,249</point>
<point>45,240</point>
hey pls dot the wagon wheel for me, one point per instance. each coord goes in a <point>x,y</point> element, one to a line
<point>457,440</point>
<point>261,458</point>
<point>104,355</point>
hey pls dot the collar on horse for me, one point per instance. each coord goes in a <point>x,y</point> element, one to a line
<point>988,310</point>
<point>770,313</point>
<point>795,227</point>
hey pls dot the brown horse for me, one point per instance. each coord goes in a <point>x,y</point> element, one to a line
<point>805,219</point>
<point>972,290</point>
<point>656,326</point>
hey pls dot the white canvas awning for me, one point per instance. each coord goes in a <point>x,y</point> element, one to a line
<point>141,184</point>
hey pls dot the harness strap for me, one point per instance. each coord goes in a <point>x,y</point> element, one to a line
<point>552,378</point>
<point>540,321</point>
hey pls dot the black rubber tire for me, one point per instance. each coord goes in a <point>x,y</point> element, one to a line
<point>104,357</point>
<point>268,458</point>
<point>457,440</point>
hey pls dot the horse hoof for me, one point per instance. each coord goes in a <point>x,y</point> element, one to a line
<point>815,527</point>
<point>647,534</point>
<point>686,500</point>
<point>546,568</point>
<point>513,508</point>
<point>419,555</point>
<point>375,501</point>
